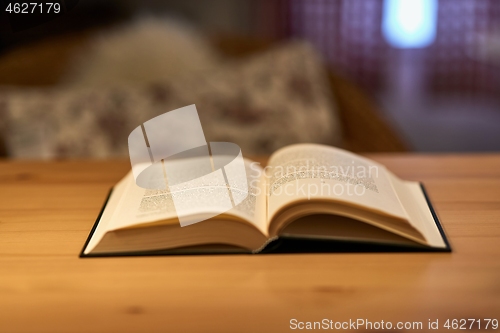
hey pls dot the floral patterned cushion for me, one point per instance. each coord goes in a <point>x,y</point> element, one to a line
<point>261,103</point>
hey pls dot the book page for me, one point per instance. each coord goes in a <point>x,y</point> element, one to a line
<point>197,198</point>
<point>418,210</point>
<point>105,219</point>
<point>133,206</point>
<point>316,172</point>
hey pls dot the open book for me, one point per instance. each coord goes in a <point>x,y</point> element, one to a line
<point>309,198</point>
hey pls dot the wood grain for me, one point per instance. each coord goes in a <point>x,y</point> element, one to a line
<point>48,208</point>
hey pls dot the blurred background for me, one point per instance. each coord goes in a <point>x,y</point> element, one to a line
<point>366,75</point>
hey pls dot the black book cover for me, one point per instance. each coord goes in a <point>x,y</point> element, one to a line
<point>285,244</point>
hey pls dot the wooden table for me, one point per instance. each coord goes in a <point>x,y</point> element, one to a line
<point>48,209</point>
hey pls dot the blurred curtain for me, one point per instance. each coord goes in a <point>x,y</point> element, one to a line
<point>348,33</point>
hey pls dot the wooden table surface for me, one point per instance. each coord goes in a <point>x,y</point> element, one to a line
<point>48,208</point>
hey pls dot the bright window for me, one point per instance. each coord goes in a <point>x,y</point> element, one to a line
<point>409,23</point>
